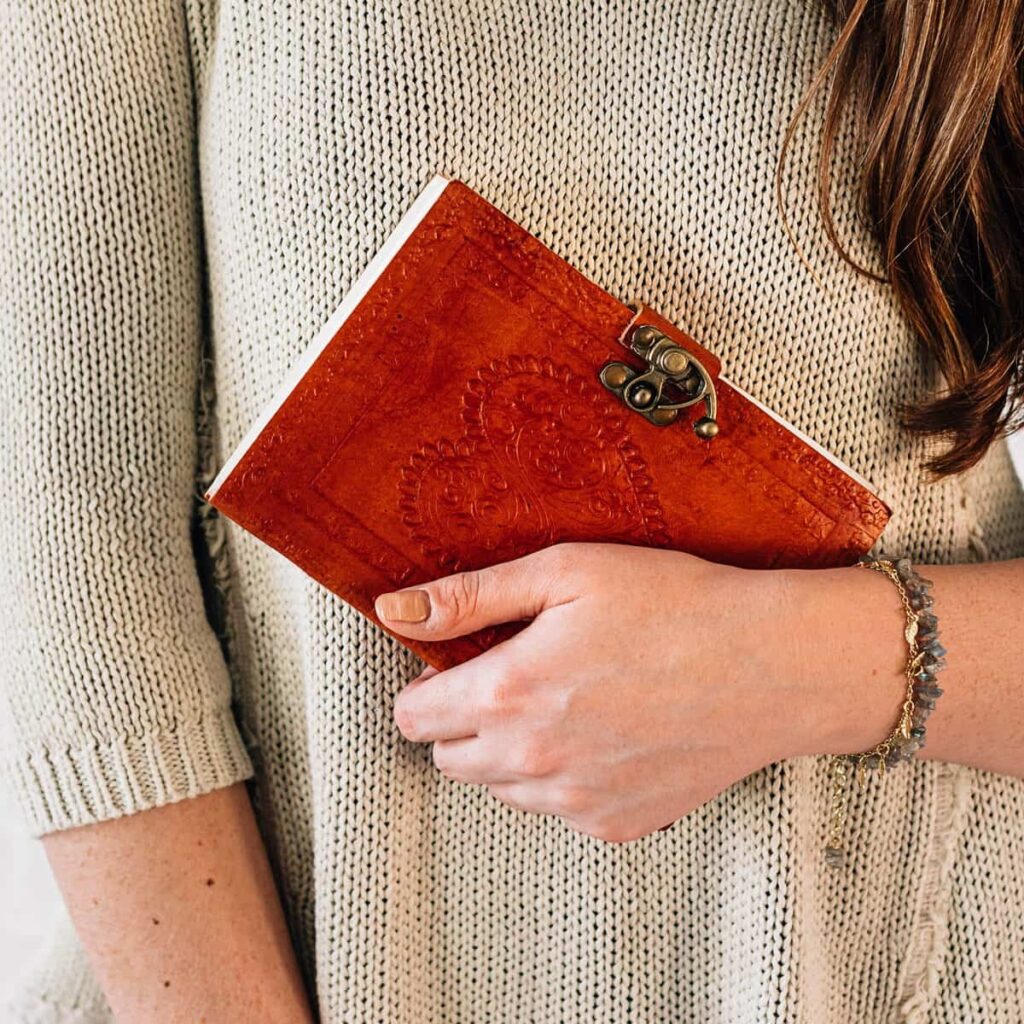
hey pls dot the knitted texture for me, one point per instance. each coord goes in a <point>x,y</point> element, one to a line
<point>187,195</point>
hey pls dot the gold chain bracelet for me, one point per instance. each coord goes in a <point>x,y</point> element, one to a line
<point>924,659</point>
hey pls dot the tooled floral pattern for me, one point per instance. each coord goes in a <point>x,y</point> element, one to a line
<point>824,476</point>
<point>535,463</point>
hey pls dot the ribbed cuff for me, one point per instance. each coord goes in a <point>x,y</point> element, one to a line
<point>62,788</point>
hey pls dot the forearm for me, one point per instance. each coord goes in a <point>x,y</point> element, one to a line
<point>853,617</point>
<point>178,912</point>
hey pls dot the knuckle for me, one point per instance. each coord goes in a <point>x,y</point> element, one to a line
<point>533,759</point>
<point>559,558</point>
<point>505,693</point>
<point>574,801</point>
<point>461,596</point>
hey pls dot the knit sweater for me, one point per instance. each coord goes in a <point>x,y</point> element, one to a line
<point>188,190</point>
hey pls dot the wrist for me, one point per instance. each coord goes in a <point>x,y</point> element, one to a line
<point>849,654</point>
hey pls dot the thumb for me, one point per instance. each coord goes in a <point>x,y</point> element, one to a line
<point>466,601</point>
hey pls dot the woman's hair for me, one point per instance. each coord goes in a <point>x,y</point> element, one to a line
<point>936,87</point>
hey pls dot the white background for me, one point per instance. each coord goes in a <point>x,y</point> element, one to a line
<point>28,899</point>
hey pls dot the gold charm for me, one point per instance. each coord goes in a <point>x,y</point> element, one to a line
<point>904,727</point>
<point>905,724</point>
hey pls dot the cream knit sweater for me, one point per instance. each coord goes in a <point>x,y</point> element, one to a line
<point>187,192</point>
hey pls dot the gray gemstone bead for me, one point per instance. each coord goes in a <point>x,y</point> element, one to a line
<point>918,732</point>
<point>892,758</point>
<point>919,601</point>
<point>835,857</point>
<point>928,690</point>
<point>902,565</point>
<point>924,702</point>
<point>919,717</point>
<point>927,621</point>
<point>934,648</point>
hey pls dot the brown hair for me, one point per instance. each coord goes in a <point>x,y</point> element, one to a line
<point>937,89</point>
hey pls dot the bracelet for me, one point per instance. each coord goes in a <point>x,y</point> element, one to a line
<point>925,657</point>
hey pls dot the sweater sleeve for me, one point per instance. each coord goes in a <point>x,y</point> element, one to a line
<point>115,695</point>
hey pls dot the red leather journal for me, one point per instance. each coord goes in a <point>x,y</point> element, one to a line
<point>475,398</point>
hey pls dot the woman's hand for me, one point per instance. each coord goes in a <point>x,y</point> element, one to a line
<point>646,683</point>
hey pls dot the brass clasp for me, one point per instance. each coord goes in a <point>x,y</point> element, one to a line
<point>674,380</point>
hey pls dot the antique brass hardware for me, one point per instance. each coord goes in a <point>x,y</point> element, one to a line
<point>674,380</point>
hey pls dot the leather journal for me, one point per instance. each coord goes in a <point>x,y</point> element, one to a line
<point>475,398</point>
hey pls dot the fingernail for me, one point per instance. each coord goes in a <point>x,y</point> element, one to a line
<point>403,606</point>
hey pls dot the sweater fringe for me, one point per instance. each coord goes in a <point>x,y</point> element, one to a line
<point>924,962</point>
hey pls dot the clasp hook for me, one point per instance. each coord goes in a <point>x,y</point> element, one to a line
<point>674,380</point>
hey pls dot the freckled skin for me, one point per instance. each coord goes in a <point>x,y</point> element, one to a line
<point>178,909</point>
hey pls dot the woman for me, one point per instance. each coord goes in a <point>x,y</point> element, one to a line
<point>189,190</point>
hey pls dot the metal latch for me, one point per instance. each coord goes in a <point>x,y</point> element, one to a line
<point>674,380</point>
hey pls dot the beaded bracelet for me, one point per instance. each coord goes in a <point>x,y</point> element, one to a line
<point>925,656</point>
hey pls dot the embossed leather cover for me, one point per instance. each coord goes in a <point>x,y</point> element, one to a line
<point>450,416</point>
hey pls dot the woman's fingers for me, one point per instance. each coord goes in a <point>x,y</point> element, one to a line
<point>528,797</point>
<point>470,760</point>
<point>451,704</point>
<point>462,700</point>
<point>437,707</point>
<point>467,601</point>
